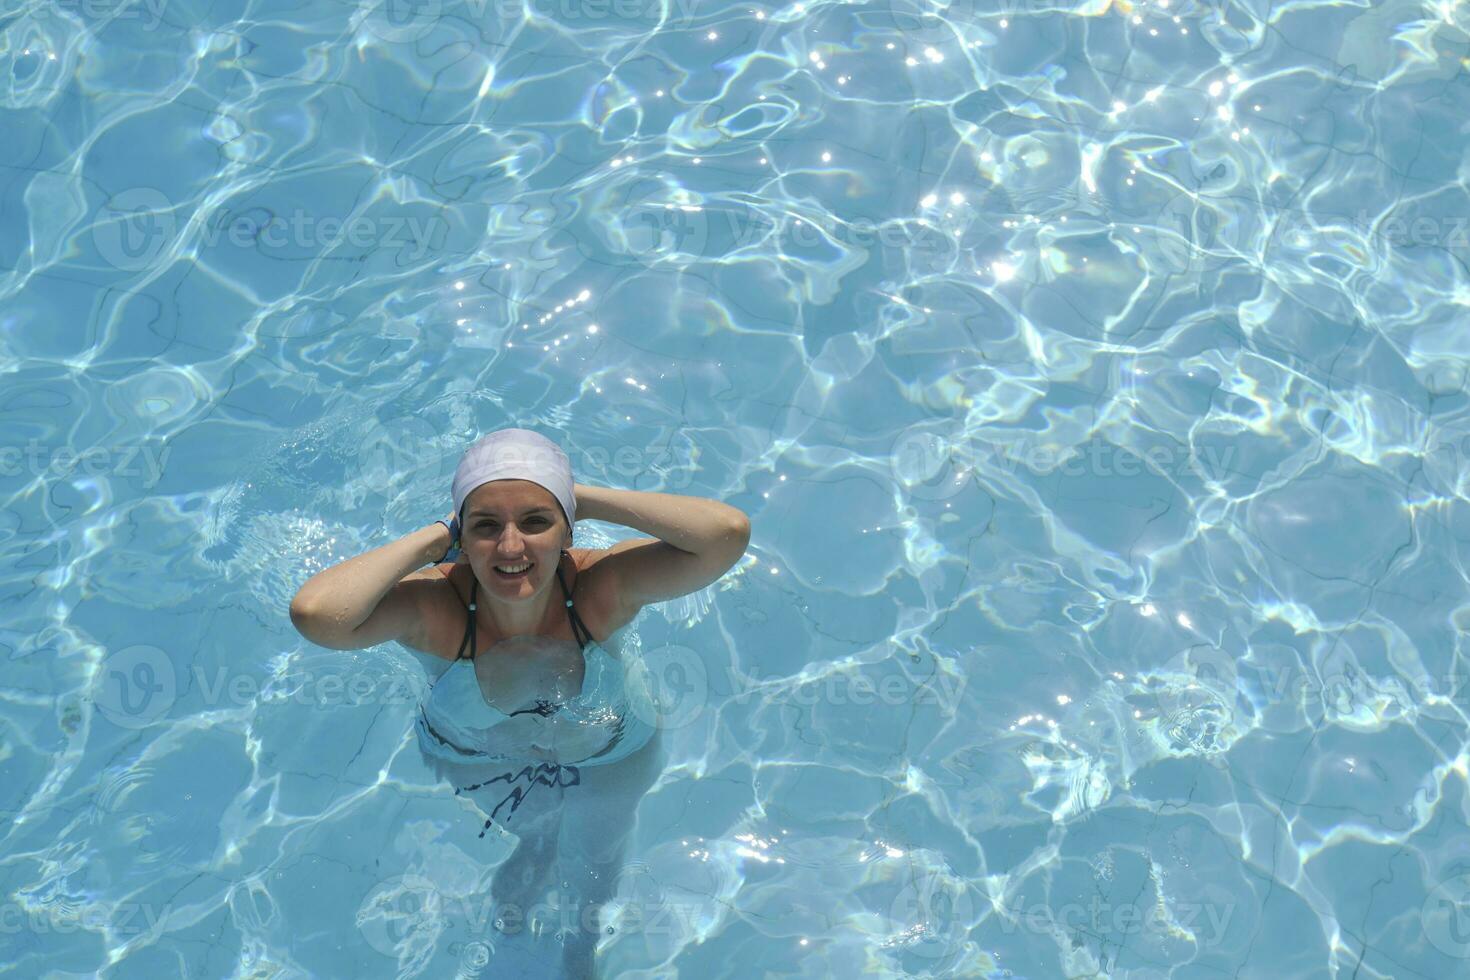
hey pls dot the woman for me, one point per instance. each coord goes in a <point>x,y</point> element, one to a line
<point>515,607</point>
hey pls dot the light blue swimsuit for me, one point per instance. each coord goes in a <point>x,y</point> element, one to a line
<point>457,725</point>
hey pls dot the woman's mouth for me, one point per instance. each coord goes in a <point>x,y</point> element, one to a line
<point>513,572</point>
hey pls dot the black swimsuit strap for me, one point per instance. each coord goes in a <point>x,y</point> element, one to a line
<point>469,625</point>
<point>579,628</point>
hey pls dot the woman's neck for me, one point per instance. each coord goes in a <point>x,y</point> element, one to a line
<point>507,619</point>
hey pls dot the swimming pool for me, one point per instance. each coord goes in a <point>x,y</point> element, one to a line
<point>1094,375</point>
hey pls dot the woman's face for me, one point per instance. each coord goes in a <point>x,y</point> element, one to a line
<point>508,523</point>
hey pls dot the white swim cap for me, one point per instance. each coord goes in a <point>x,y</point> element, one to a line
<point>516,454</point>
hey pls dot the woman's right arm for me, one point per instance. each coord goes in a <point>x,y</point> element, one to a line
<point>372,598</point>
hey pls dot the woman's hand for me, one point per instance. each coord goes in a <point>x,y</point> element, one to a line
<point>452,552</point>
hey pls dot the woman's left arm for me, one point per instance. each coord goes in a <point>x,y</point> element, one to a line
<point>698,541</point>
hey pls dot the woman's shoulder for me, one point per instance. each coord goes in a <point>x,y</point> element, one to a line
<point>441,594</point>
<point>596,595</point>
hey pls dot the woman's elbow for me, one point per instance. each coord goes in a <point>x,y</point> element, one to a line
<point>312,624</point>
<point>306,625</point>
<point>740,521</point>
<point>301,617</point>
<point>303,611</point>
<point>737,539</point>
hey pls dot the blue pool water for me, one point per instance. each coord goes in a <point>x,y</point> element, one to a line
<point>1094,374</point>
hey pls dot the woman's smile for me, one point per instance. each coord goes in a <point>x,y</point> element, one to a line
<point>514,572</point>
